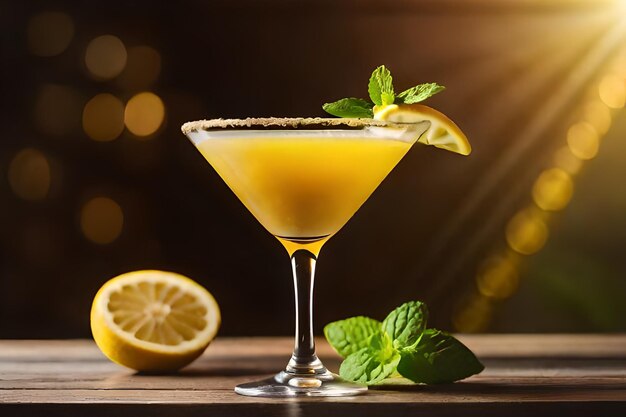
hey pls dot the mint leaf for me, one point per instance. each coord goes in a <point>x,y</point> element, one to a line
<point>350,335</point>
<point>438,358</point>
<point>387,98</point>
<point>380,87</point>
<point>380,342</point>
<point>419,93</point>
<point>405,324</point>
<point>372,364</point>
<point>350,107</point>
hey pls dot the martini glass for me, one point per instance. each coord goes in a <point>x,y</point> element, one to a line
<point>303,179</point>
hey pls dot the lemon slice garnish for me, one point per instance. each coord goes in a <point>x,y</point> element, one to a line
<point>443,132</point>
<point>153,320</point>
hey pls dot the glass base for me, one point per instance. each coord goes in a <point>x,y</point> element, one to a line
<point>287,384</point>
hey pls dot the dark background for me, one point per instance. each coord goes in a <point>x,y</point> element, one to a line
<point>464,234</point>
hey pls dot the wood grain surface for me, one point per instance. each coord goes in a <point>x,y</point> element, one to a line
<point>524,375</point>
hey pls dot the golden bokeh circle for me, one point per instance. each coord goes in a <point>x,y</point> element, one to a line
<point>49,33</point>
<point>144,114</point>
<point>553,189</point>
<point>526,232</point>
<point>612,91</point>
<point>105,57</point>
<point>101,220</point>
<point>498,278</point>
<point>474,316</point>
<point>103,117</point>
<point>29,175</point>
<point>583,140</point>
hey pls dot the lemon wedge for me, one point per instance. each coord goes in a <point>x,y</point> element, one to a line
<point>443,132</point>
<point>153,320</point>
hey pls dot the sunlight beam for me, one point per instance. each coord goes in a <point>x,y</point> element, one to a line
<point>551,110</point>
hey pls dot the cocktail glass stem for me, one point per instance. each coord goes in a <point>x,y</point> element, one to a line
<point>304,375</point>
<point>304,361</point>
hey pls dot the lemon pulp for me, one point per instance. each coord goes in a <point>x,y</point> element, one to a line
<point>153,320</point>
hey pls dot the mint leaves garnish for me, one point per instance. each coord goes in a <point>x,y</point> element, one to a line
<point>380,87</point>
<point>438,358</point>
<point>381,92</point>
<point>405,324</point>
<point>371,364</point>
<point>351,335</point>
<point>401,344</point>
<point>350,107</point>
<point>420,92</point>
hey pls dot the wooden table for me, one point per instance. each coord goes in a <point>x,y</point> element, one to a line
<point>525,375</point>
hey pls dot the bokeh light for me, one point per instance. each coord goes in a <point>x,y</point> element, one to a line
<point>101,220</point>
<point>526,232</point>
<point>142,69</point>
<point>57,110</point>
<point>498,278</point>
<point>105,57</point>
<point>553,189</point>
<point>474,316</point>
<point>598,115</point>
<point>103,117</point>
<point>144,114</point>
<point>612,91</point>
<point>583,140</point>
<point>29,174</point>
<point>49,33</point>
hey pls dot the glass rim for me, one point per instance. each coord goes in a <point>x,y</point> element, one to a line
<point>289,123</point>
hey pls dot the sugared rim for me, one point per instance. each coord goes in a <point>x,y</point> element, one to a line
<point>282,122</point>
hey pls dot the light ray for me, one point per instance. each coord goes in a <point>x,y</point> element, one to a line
<point>551,110</point>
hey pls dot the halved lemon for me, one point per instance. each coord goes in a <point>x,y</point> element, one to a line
<point>153,320</point>
<point>443,132</point>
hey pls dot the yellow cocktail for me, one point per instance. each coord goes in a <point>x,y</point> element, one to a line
<point>303,188</point>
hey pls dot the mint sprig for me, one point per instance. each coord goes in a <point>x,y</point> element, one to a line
<point>401,344</point>
<point>381,93</point>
